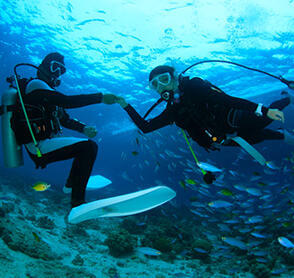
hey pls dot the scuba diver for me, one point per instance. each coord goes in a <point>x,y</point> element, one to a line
<point>45,110</point>
<point>209,116</point>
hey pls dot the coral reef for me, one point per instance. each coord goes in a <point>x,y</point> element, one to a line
<point>73,231</point>
<point>120,243</point>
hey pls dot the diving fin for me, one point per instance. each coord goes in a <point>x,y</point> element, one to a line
<point>288,137</point>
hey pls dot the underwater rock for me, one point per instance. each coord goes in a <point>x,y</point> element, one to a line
<point>120,243</point>
<point>8,207</point>
<point>31,217</point>
<point>111,272</point>
<point>22,239</point>
<point>49,270</point>
<point>73,231</point>
<point>45,222</point>
<point>78,260</point>
<point>2,212</point>
<point>92,224</point>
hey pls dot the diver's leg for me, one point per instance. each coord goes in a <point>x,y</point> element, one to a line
<point>81,171</point>
<point>290,95</point>
<point>281,103</point>
<point>257,136</point>
<point>84,154</point>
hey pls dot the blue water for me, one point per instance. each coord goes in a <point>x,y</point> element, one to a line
<point>111,46</point>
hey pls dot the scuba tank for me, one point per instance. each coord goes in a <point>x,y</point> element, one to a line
<point>12,152</point>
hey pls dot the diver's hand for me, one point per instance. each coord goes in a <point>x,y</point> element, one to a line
<point>121,101</point>
<point>90,131</point>
<point>109,99</point>
<point>276,115</point>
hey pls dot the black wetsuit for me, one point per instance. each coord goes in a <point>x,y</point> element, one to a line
<point>83,152</point>
<point>204,111</point>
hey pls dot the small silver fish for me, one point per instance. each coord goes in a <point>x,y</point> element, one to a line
<point>285,242</point>
<point>219,204</point>
<point>208,167</point>
<point>148,251</point>
<point>235,242</point>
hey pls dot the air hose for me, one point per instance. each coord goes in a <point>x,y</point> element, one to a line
<point>38,151</point>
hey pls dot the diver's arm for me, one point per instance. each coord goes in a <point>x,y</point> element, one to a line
<point>70,123</point>
<point>205,92</point>
<point>47,97</point>
<point>239,103</point>
<point>164,119</point>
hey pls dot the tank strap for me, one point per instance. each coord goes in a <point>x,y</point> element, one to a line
<point>10,108</point>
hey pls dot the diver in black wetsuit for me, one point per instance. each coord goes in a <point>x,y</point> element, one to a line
<point>46,110</point>
<point>207,113</point>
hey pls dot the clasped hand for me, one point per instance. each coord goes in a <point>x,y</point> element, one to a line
<point>111,99</point>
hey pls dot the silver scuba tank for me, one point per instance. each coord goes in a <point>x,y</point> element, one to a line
<point>12,152</point>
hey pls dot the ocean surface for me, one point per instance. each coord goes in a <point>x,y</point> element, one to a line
<point>239,226</point>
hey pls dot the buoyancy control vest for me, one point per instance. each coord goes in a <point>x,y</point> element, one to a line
<point>209,119</point>
<point>44,120</point>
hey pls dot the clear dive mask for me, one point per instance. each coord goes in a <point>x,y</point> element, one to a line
<point>163,79</point>
<point>57,68</point>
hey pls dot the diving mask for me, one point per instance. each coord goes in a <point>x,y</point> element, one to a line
<point>57,68</point>
<point>163,79</point>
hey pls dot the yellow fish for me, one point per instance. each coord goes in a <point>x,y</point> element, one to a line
<point>190,181</point>
<point>286,224</point>
<point>182,184</point>
<point>36,237</point>
<point>41,186</point>
<point>226,192</point>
